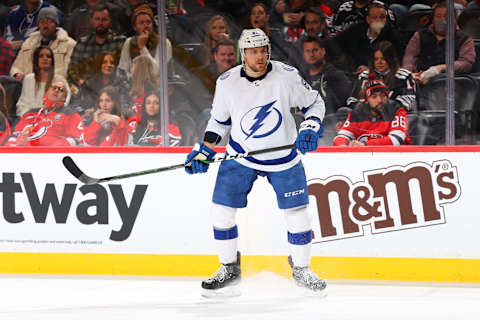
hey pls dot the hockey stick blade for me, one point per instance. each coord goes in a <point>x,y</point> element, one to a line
<point>72,167</point>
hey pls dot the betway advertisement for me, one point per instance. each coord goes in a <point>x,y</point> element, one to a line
<point>362,204</point>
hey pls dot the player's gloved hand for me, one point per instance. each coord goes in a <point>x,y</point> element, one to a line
<point>194,163</point>
<point>308,135</point>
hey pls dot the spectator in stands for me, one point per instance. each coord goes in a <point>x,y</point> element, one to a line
<point>7,56</point>
<point>475,4</point>
<point>103,39</point>
<point>38,82</point>
<point>145,42</point>
<point>331,83</point>
<point>146,127</point>
<point>4,125</point>
<point>205,77</point>
<point>107,125</point>
<point>48,34</point>
<point>315,26</point>
<point>225,57</point>
<point>259,18</point>
<point>4,12</point>
<point>292,19</point>
<point>354,12</point>
<point>377,121</point>
<point>357,41</point>
<point>216,29</point>
<point>144,78</point>
<point>279,7</point>
<point>79,25</point>
<point>127,7</point>
<point>384,65</point>
<point>108,75</point>
<point>22,21</point>
<point>425,52</point>
<point>53,124</point>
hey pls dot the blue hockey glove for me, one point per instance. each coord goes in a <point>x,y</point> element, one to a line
<point>194,162</point>
<point>308,134</point>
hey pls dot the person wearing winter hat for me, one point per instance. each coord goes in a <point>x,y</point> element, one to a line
<point>22,21</point>
<point>145,43</point>
<point>377,121</point>
<point>48,34</point>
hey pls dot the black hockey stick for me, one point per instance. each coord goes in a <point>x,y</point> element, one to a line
<point>77,173</point>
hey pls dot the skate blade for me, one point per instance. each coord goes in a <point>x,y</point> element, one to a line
<point>222,293</point>
<point>319,294</point>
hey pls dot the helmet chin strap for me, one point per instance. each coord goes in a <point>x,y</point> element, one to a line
<point>248,70</point>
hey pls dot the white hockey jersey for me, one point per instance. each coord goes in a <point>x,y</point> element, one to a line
<point>257,113</point>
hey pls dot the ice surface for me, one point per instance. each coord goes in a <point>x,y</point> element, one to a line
<point>265,296</point>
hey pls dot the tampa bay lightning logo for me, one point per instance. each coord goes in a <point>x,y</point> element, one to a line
<point>261,121</point>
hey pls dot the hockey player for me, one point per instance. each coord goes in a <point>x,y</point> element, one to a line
<point>252,101</point>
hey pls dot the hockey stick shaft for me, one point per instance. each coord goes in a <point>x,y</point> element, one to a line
<point>72,167</point>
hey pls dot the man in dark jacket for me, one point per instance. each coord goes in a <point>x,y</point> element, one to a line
<point>357,41</point>
<point>425,53</point>
<point>333,84</point>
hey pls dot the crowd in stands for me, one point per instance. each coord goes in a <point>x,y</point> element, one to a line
<point>86,72</point>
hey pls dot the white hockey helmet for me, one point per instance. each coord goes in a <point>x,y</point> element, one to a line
<point>253,38</point>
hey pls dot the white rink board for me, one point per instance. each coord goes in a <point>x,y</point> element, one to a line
<point>174,214</point>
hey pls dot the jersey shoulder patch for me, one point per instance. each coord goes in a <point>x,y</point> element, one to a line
<point>288,68</point>
<point>224,75</point>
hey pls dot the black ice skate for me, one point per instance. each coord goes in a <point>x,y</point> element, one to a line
<point>225,282</point>
<point>306,278</point>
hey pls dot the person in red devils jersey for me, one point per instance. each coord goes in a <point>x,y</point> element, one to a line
<point>377,121</point>
<point>108,126</point>
<point>145,129</point>
<point>53,124</point>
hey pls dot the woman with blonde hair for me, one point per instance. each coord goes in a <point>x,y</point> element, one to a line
<point>216,29</point>
<point>144,76</point>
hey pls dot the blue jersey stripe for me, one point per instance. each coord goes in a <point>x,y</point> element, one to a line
<point>225,123</point>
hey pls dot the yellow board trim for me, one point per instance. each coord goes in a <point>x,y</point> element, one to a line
<point>347,268</point>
